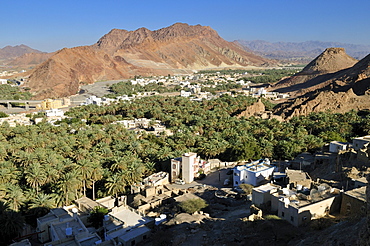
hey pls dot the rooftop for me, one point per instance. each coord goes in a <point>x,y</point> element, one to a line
<point>256,166</point>
<point>87,203</point>
<point>359,193</point>
<point>134,233</point>
<point>296,175</point>
<point>266,188</point>
<point>89,241</point>
<point>363,138</point>
<point>77,227</point>
<point>129,217</point>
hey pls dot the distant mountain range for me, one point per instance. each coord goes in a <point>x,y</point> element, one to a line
<point>10,52</point>
<point>300,52</point>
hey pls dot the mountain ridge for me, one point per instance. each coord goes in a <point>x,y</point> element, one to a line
<point>338,91</point>
<point>121,54</point>
<point>10,52</point>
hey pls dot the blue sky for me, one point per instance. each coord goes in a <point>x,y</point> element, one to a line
<point>49,25</point>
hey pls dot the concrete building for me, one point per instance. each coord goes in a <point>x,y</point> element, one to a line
<point>354,202</point>
<point>261,195</point>
<point>67,225</point>
<point>298,208</point>
<point>16,119</point>
<point>3,81</point>
<point>359,143</point>
<point>185,93</point>
<point>336,146</point>
<point>154,180</point>
<point>54,113</point>
<point>297,178</point>
<point>187,167</point>
<point>254,173</point>
<point>48,104</point>
<point>61,226</point>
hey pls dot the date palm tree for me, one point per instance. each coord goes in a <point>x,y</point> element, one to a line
<point>14,197</point>
<point>116,183</point>
<point>35,176</point>
<point>68,186</point>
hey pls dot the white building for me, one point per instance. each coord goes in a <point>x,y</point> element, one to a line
<point>185,93</point>
<point>336,146</point>
<point>3,81</point>
<point>359,143</point>
<point>54,113</point>
<point>187,167</point>
<point>254,173</point>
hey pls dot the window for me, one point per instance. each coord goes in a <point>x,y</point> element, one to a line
<point>291,219</point>
<point>348,207</point>
<point>282,214</point>
<point>174,166</point>
<point>144,237</point>
<point>133,243</point>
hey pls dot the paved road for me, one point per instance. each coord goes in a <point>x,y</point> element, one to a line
<point>98,89</point>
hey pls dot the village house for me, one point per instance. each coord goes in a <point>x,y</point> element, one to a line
<point>48,104</point>
<point>261,195</point>
<point>298,208</point>
<point>16,119</point>
<point>54,113</point>
<point>67,225</point>
<point>354,202</point>
<point>255,173</point>
<point>298,178</point>
<point>359,143</point>
<point>188,167</point>
<point>336,146</point>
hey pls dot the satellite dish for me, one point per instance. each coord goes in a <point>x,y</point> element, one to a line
<point>315,195</point>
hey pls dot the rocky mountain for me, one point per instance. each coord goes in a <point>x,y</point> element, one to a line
<point>327,89</point>
<point>121,54</point>
<point>11,52</point>
<point>314,75</point>
<point>299,52</point>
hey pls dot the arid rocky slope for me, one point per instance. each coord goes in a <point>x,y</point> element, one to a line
<point>314,75</point>
<point>319,89</point>
<point>29,59</point>
<point>123,54</point>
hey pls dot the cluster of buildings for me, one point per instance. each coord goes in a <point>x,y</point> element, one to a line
<point>16,119</point>
<point>299,199</point>
<point>22,119</point>
<point>10,73</point>
<point>294,196</point>
<point>143,124</point>
<point>262,92</point>
<point>69,225</point>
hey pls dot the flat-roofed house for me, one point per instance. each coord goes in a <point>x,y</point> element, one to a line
<point>354,202</point>
<point>254,173</point>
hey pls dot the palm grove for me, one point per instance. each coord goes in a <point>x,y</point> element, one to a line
<point>44,166</point>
